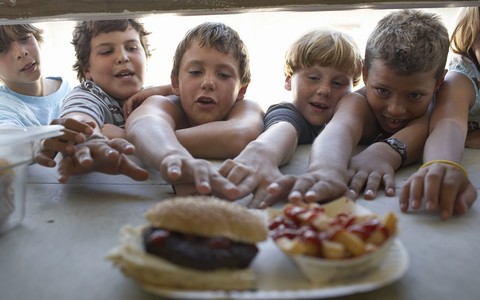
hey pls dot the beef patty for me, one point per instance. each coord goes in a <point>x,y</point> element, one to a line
<point>196,252</point>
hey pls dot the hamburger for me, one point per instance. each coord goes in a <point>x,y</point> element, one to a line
<point>195,243</point>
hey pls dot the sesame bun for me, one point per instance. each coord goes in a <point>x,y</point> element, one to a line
<point>208,217</point>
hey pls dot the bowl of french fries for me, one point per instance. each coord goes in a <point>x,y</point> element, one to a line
<point>332,242</point>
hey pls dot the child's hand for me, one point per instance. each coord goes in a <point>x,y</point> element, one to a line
<point>135,100</point>
<point>313,186</point>
<point>369,170</point>
<point>75,132</point>
<point>101,155</point>
<point>443,187</point>
<point>250,180</point>
<point>177,169</point>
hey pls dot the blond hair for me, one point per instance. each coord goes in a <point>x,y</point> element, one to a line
<point>325,47</point>
<point>466,31</point>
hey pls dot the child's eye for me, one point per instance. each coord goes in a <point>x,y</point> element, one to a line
<point>340,83</point>
<point>415,96</point>
<point>314,78</point>
<point>105,52</point>
<point>132,48</point>
<point>223,75</point>
<point>25,38</point>
<point>382,92</point>
<point>194,72</point>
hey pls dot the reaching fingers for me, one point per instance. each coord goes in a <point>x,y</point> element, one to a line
<point>122,145</point>
<point>46,159</point>
<point>357,181</point>
<point>465,199</point>
<point>132,170</point>
<point>372,185</point>
<point>389,183</point>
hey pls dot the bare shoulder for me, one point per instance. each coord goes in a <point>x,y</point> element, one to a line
<point>246,107</point>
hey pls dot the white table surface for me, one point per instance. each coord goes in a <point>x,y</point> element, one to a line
<point>58,252</point>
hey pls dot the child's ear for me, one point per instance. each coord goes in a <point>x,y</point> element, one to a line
<point>242,92</point>
<point>364,74</point>
<point>440,80</point>
<point>175,85</point>
<point>88,75</point>
<point>288,83</point>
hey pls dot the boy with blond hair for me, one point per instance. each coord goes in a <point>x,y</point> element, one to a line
<point>320,67</point>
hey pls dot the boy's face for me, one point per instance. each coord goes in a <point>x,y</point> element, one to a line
<point>208,84</point>
<point>316,91</point>
<point>117,63</point>
<point>20,62</point>
<point>397,99</point>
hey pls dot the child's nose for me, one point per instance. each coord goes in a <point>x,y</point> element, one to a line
<point>20,50</point>
<point>122,57</point>
<point>324,90</point>
<point>208,82</point>
<point>396,107</point>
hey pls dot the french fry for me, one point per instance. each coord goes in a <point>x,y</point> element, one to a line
<point>333,250</point>
<point>377,237</point>
<point>291,246</point>
<point>354,244</point>
<point>390,222</point>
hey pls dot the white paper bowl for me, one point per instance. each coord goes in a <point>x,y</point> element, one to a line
<point>321,271</point>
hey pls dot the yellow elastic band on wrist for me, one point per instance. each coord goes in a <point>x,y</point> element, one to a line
<point>444,161</point>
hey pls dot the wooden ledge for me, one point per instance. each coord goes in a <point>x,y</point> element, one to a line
<point>24,11</point>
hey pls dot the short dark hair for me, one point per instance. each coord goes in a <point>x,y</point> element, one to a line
<point>409,41</point>
<point>218,36</point>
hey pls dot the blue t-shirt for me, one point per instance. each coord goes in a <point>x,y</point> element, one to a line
<point>24,111</point>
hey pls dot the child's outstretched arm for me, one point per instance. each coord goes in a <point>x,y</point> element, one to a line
<point>258,164</point>
<point>151,128</point>
<point>74,132</point>
<point>326,177</point>
<point>442,183</point>
<point>101,155</point>
<point>224,139</point>
<point>98,153</point>
<point>376,165</point>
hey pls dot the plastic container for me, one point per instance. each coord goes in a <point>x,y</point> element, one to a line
<point>17,149</point>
